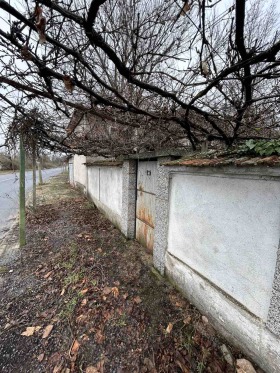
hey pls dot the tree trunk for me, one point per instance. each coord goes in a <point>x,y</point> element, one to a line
<point>22,236</point>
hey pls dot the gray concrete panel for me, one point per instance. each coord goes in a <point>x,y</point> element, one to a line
<point>222,229</point>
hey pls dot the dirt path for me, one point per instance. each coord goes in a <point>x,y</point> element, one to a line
<point>81,298</point>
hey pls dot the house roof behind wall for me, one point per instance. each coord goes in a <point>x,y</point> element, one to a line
<point>109,133</point>
<point>107,136</point>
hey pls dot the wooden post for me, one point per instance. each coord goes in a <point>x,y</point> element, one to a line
<point>40,172</point>
<point>22,235</point>
<point>34,174</point>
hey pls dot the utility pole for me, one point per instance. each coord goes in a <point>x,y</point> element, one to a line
<point>22,236</point>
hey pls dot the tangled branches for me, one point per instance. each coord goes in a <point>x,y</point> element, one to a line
<point>178,69</point>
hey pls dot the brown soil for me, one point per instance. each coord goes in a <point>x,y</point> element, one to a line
<point>109,310</point>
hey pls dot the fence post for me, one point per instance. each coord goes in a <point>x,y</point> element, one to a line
<point>40,172</point>
<point>34,174</point>
<point>22,235</point>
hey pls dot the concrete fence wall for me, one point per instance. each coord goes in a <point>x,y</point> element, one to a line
<point>80,172</point>
<point>111,186</point>
<point>216,236</point>
<point>105,189</point>
<point>218,240</point>
<point>230,234</point>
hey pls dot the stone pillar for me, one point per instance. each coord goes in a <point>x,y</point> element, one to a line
<point>129,198</point>
<point>161,218</point>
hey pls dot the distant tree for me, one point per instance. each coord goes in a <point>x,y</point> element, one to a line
<point>5,162</point>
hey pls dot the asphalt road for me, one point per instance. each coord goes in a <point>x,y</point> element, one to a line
<point>9,192</point>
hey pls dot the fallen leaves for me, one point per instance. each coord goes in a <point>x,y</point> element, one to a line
<point>98,369</point>
<point>47,275</point>
<point>115,292</point>
<point>125,295</point>
<point>106,290</point>
<point>137,299</point>
<point>73,353</point>
<point>59,368</point>
<point>81,319</point>
<point>108,314</point>
<point>40,358</point>
<point>99,337</point>
<point>30,330</point>
<point>177,301</point>
<point>84,302</point>
<point>57,363</point>
<point>47,331</point>
<point>48,313</point>
<point>100,365</point>
<point>85,235</point>
<point>180,362</point>
<point>92,369</point>
<point>187,320</point>
<point>169,328</point>
<point>204,319</point>
<point>75,347</point>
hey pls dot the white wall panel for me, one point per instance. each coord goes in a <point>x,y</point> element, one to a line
<point>227,229</point>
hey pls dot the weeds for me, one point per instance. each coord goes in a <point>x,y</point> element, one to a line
<point>89,205</point>
<point>200,367</point>
<point>73,254</point>
<point>121,321</point>
<point>3,269</point>
<point>73,278</point>
<point>188,342</point>
<point>69,307</point>
<point>94,282</point>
